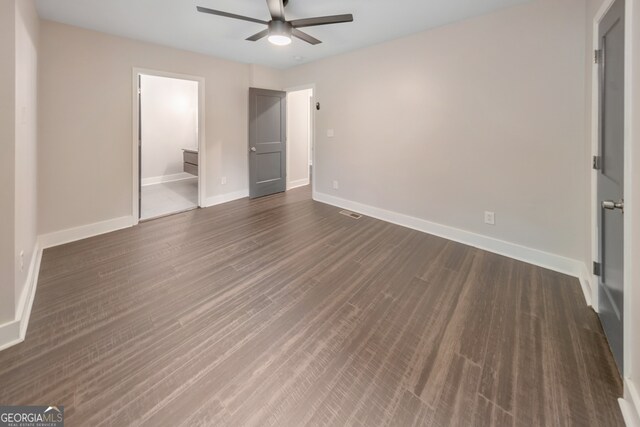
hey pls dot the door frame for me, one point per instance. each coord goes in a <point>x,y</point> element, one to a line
<point>628,172</point>
<point>312,126</point>
<point>137,71</point>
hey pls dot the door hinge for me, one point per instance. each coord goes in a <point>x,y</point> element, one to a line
<point>597,56</point>
<point>597,269</point>
<point>597,162</point>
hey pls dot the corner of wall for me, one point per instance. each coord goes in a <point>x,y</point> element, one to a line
<point>533,256</point>
<point>586,283</point>
<point>7,159</point>
<point>14,332</point>
<point>27,23</point>
<point>69,235</point>
<point>224,198</point>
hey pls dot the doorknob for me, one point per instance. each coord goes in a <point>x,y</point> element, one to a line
<point>611,205</point>
<point>253,149</point>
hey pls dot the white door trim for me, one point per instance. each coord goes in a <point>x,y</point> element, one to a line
<point>629,209</point>
<point>628,172</point>
<point>595,140</point>
<point>135,129</point>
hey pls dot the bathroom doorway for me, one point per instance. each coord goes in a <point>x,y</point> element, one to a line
<point>169,167</point>
<point>300,136</point>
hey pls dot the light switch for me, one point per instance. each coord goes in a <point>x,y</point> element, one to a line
<point>330,133</point>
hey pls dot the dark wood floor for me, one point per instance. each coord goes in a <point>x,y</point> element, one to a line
<point>280,311</point>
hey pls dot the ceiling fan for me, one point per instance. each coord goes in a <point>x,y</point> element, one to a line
<point>280,30</point>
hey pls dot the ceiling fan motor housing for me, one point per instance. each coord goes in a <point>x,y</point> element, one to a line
<point>280,28</point>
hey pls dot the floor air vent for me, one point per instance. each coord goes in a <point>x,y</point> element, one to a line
<point>351,214</point>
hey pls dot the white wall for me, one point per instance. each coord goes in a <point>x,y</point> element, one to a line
<point>265,78</point>
<point>298,137</point>
<point>86,115</point>
<point>169,124</point>
<point>486,114</point>
<point>7,160</point>
<point>26,162</point>
<point>19,24</point>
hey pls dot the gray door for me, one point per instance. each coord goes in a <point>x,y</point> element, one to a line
<point>267,142</point>
<point>611,176</point>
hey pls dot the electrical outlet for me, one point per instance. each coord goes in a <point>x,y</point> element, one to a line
<point>21,260</point>
<point>330,133</point>
<point>224,180</point>
<point>336,185</point>
<point>490,218</point>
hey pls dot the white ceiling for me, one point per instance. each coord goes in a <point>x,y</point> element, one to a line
<point>176,23</point>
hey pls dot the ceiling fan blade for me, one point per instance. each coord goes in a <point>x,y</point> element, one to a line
<point>230,15</point>
<point>304,36</point>
<point>258,36</point>
<point>322,20</point>
<point>276,9</point>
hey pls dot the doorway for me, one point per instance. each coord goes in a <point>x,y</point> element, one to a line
<point>299,137</point>
<point>610,170</point>
<point>168,169</point>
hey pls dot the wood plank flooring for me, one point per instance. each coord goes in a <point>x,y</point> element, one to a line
<point>280,311</point>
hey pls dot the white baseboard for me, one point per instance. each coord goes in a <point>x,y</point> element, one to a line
<point>85,231</point>
<point>543,259</point>
<point>224,198</point>
<point>298,183</point>
<point>167,178</point>
<point>586,283</point>
<point>630,404</point>
<point>13,332</point>
<point>10,334</point>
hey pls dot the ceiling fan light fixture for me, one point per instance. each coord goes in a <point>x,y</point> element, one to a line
<point>279,40</point>
<point>280,33</point>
